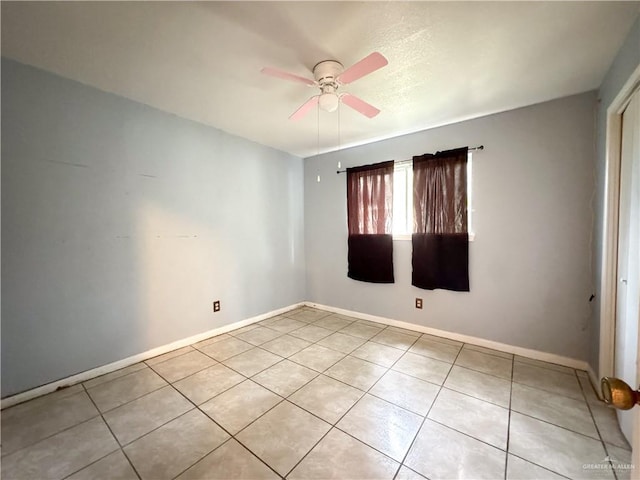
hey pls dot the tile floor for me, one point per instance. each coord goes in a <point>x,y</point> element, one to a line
<point>314,395</point>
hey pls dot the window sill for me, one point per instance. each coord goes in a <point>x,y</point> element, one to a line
<point>405,237</point>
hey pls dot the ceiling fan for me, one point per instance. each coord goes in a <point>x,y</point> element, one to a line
<point>330,75</point>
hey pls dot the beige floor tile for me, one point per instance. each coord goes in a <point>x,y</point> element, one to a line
<point>94,382</point>
<point>308,315</point>
<point>621,461</point>
<point>480,385</point>
<point>285,377</point>
<point>341,342</point>
<point>259,335</point>
<point>490,351</point>
<point>356,372</point>
<point>433,349</point>
<point>169,355</point>
<point>286,345</point>
<point>485,363</point>
<point>424,368</point>
<point>30,422</point>
<point>344,317</point>
<point>334,322</point>
<point>382,355</point>
<point>110,395</point>
<point>311,333</point>
<point>405,331</point>
<point>244,329</point>
<point>519,469</point>
<point>479,419</point>
<point>208,383</point>
<point>317,357</point>
<point>339,456</point>
<point>362,330</point>
<point>174,447</point>
<point>381,425</point>
<point>268,321</point>
<point>442,453</point>
<point>286,325</point>
<point>557,409</point>
<point>114,466</point>
<point>62,454</point>
<point>552,447</point>
<point>252,361</point>
<point>283,436</point>
<point>546,379</point>
<point>405,391</point>
<point>176,368</point>
<point>131,421</point>
<point>296,310</point>
<point>226,348</point>
<point>550,366</point>
<point>589,391</point>
<point>371,323</point>
<point>239,406</point>
<point>394,339</point>
<point>607,423</point>
<point>435,338</point>
<point>405,473</point>
<point>231,461</point>
<point>326,398</point>
<point>211,341</point>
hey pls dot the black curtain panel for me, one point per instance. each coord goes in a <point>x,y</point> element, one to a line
<point>370,220</point>
<point>440,237</point>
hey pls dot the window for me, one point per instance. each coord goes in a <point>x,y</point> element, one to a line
<point>403,200</point>
<point>369,217</point>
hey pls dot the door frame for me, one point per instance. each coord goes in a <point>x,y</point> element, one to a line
<point>609,274</point>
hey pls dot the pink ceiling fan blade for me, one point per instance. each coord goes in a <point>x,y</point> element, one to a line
<point>304,108</point>
<point>274,72</point>
<point>359,105</point>
<point>367,65</point>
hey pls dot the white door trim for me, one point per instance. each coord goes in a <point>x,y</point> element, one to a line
<point>608,279</point>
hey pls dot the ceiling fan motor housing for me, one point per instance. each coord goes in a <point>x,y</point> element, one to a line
<point>326,72</point>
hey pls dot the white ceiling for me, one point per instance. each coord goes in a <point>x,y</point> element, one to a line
<point>448,61</point>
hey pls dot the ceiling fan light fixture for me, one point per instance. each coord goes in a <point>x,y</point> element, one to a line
<point>329,102</point>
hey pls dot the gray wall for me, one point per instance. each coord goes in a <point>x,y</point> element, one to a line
<point>626,61</point>
<point>530,263</point>
<point>121,224</point>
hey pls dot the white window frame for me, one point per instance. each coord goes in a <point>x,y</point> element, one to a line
<point>403,223</point>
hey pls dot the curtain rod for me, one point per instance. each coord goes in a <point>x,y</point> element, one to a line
<point>471,149</point>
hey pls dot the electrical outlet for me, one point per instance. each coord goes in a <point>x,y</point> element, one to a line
<point>216,306</point>
<point>419,303</point>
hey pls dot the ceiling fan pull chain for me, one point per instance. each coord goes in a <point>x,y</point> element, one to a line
<point>339,126</point>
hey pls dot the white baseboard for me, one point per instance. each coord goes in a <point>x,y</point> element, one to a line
<point>503,347</point>
<point>111,367</point>
<point>96,372</point>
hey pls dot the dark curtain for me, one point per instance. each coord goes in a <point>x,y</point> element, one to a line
<point>369,216</point>
<point>440,239</point>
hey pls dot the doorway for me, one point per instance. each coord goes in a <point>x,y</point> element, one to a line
<point>619,283</point>
<point>628,262</point>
